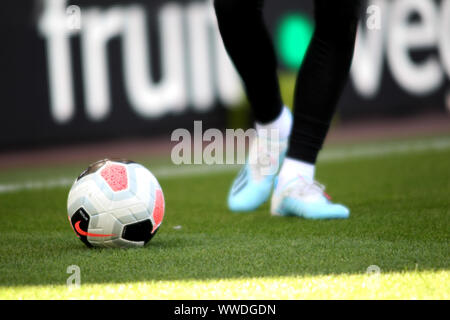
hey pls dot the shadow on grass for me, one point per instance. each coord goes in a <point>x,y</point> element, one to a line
<point>279,247</point>
<point>396,224</point>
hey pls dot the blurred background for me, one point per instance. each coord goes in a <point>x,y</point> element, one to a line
<point>122,75</point>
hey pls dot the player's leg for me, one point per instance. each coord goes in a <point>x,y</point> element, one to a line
<point>249,46</point>
<point>320,82</point>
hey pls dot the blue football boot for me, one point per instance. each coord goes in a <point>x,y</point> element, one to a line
<point>307,199</point>
<point>254,183</point>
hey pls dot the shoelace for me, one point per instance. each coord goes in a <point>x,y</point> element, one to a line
<point>306,188</point>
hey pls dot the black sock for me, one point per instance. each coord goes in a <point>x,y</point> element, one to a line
<point>322,76</point>
<point>249,45</point>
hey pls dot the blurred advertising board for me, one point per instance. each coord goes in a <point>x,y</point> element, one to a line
<point>87,70</point>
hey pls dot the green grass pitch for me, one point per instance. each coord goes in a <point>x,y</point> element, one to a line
<point>400,222</point>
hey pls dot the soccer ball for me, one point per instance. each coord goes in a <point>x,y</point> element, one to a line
<point>115,203</point>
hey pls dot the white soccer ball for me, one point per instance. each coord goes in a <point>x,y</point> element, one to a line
<point>115,203</point>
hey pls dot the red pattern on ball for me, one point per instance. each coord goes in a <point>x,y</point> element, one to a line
<point>115,176</point>
<point>158,211</point>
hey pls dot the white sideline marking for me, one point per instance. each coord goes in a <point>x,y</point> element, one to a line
<point>389,148</point>
<point>328,155</point>
<point>33,185</point>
